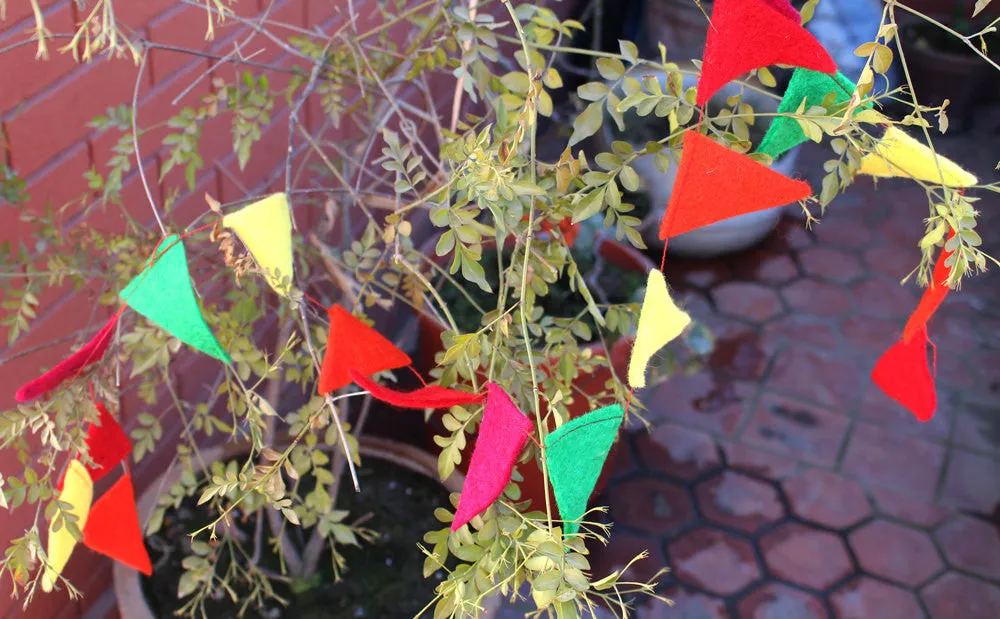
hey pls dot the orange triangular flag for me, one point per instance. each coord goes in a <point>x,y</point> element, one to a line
<point>716,183</point>
<point>934,294</point>
<point>113,527</point>
<point>353,345</point>
<point>748,34</point>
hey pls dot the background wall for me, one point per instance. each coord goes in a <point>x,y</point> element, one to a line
<point>45,106</point>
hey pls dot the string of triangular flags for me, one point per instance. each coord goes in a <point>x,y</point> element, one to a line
<point>713,183</point>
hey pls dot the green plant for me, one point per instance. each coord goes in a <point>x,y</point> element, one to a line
<point>477,177</point>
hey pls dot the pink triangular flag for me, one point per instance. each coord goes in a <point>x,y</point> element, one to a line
<point>502,435</point>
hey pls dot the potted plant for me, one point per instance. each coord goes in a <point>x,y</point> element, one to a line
<point>944,62</point>
<point>244,337</point>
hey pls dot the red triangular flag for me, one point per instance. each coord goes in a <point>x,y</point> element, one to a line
<point>431,396</point>
<point>748,34</point>
<point>113,529</point>
<point>785,8</point>
<point>904,374</point>
<point>501,437</point>
<point>69,368</point>
<point>933,295</point>
<point>356,346</point>
<point>716,183</point>
<point>107,444</point>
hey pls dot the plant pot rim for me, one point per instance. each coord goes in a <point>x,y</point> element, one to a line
<point>127,585</point>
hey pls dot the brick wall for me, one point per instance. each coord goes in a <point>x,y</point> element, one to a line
<point>44,110</point>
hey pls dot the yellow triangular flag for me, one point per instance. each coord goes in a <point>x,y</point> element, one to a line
<point>660,321</point>
<point>265,227</point>
<point>897,154</point>
<point>78,491</point>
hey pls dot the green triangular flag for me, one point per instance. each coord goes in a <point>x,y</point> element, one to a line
<point>813,86</point>
<point>163,294</point>
<point>575,453</point>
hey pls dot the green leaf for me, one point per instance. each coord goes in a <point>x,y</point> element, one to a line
<point>547,581</point>
<point>629,178</point>
<point>629,50</point>
<point>587,123</point>
<point>590,205</point>
<point>980,5</point>
<point>516,82</point>
<point>610,68</point>
<point>592,91</point>
<point>882,59</point>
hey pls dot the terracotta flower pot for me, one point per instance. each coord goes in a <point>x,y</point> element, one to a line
<point>128,588</point>
<point>431,329</point>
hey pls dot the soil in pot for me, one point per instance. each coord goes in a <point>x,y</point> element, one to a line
<point>383,579</point>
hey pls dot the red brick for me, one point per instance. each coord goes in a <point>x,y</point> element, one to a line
<point>740,502</point>
<point>880,457</point>
<point>33,76</point>
<point>16,11</point>
<point>182,27</point>
<point>57,185</point>
<point>36,136</point>
<point>827,499</point>
<point>805,556</point>
<point>892,551</point>
<point>714,560</point>
<point>266,161</point>
<point>137,14</point>
<point>112,217</point>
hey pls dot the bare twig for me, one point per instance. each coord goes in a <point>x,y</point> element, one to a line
<point>135,140</point>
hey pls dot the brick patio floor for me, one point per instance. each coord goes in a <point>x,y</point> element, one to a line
<point>780,483</point>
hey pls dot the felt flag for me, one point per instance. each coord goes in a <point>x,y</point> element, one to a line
<point>575,453</point>
<point>78,492</point>
<point>431,396</point>
<point>785,132</point>
<point>716,183</point>
<point>353,345</point>
<point>897,154</point>
<point>113,527</point>
<point>71,367</point>
<point>933,295</point>
<point>660,321</point>
<point>107,444</point>
<point>502,435</point>
<point>904,374</point>
<point>265,227</point>
<point>748,34</point>
<point>163,293</point>
<point>785,8</point>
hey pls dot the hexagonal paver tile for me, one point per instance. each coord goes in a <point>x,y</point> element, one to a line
<point>819,376</point>
<point>830,264</point>
<point>713,560</point>
<point>827,499</point>
<point>956,596</point>
<point>920,513</point>
<point>767,266</point>
<point>882,298</point>
<point>686,605</point>
<point>651,505</point>
<point>735,500</point>
<point>778,601</point>
<point>867,335</point>
<point>806,556</point>
<point>971,544</point>
<point>843,231</point>
<point>740,356</point>
<point>816,298</point>
<point>972,483</point>
<point>799,430</point>
<point>746,458</point>
<point>867,598</point>
<point>624,547</point>
<point>805,329</point>
<point>895,552</point>
<point>906,464</point>
<point>701,401</point>
<point>678,451</point>
<point>751,302</point>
